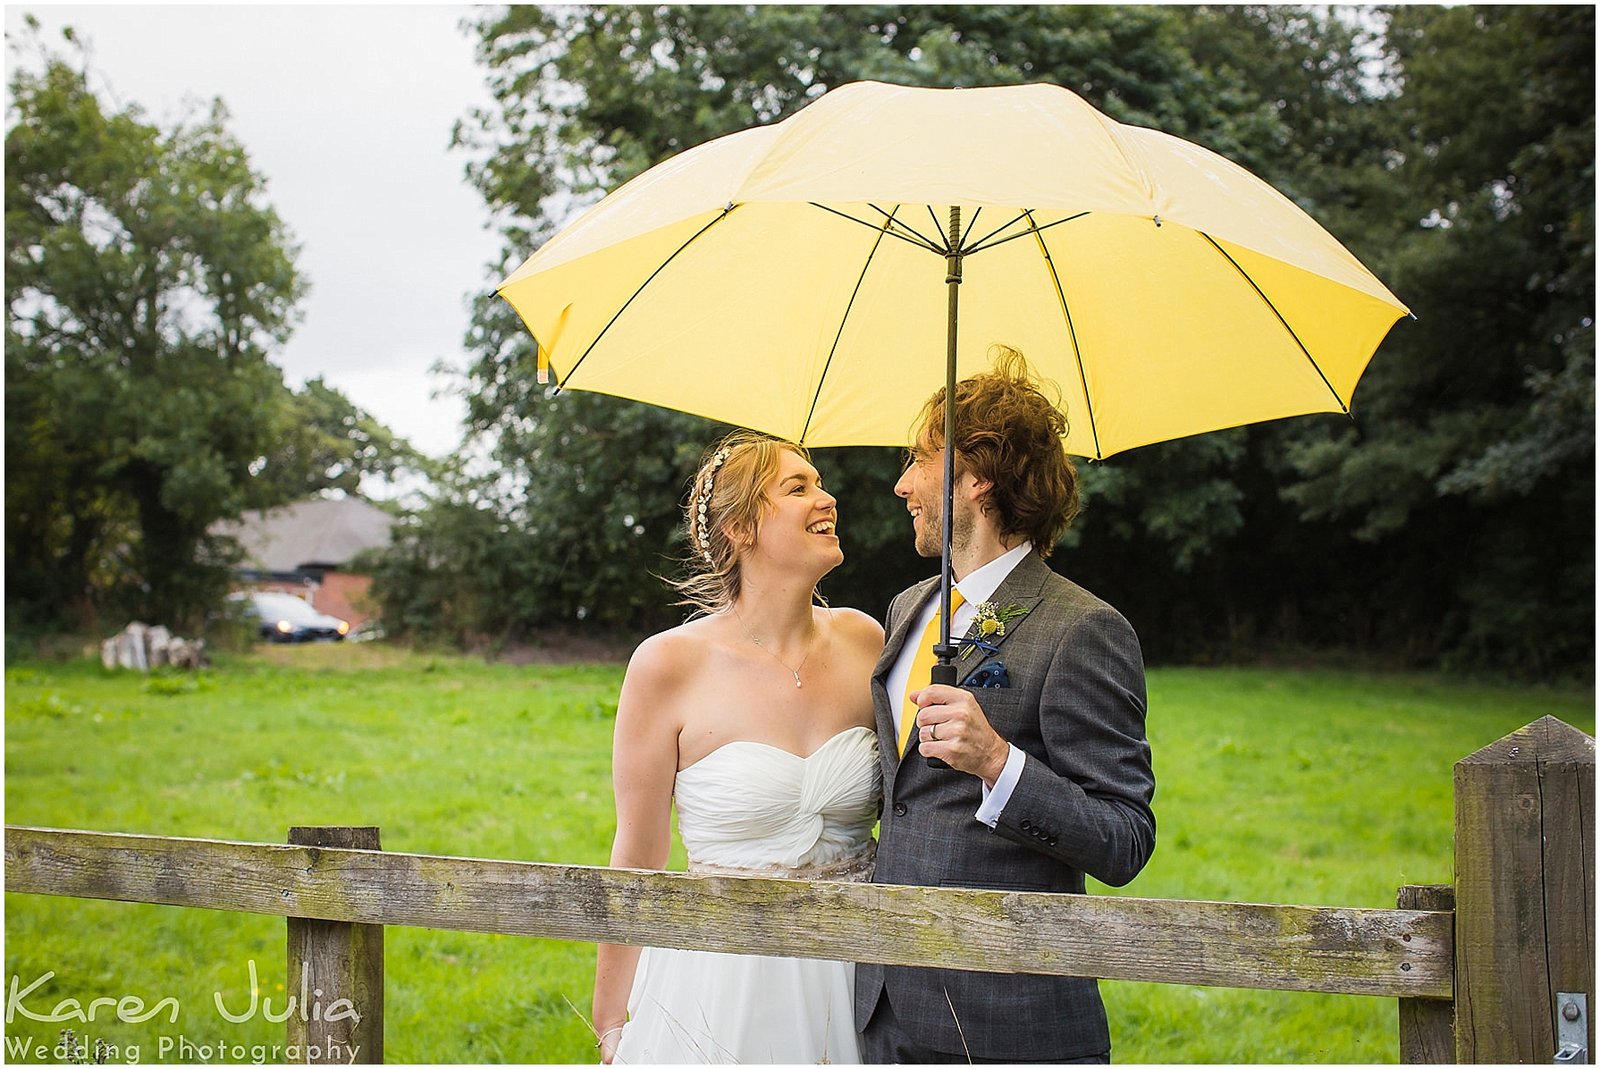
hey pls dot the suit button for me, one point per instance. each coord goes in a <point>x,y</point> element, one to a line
<point>1026,825</point>
<point>899,809</point>
<point>1052,840</point>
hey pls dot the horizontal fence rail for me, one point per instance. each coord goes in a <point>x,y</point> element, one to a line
<point>1396,953</point>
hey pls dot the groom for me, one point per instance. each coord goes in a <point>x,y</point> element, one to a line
<point>1049,771</point>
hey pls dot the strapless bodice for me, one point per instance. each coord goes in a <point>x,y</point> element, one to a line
<point>748,806</point>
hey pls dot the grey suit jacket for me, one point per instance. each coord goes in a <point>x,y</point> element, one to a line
<point>1076,708</point>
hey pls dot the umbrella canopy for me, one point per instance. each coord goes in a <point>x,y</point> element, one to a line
<point>789,278</point>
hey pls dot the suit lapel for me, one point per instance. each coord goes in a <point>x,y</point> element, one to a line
<point>916,597</point>
<point>1021,588</point>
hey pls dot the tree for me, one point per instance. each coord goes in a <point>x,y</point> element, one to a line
<point>1474,460</point>
<point>147,283</point>
<point>1450,149</point>
<point>322,441</point>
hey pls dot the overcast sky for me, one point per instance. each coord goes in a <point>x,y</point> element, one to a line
<point>347,111</point>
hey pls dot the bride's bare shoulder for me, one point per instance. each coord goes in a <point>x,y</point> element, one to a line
<point>668,657</point>
<point>859,629</point>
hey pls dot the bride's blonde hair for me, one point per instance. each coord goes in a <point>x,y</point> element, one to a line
<point>727,500</point>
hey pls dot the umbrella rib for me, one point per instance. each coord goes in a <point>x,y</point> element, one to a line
<point>1032,229</point>
<point>1281,321</point>
<point>919,241</point>
<point>692,239</point>
<point>1072,331</point>
<point>937,228</point>
<point>834,348</point>
<point>998,230</point>
<point>970,224</point>
<point>935,246</point>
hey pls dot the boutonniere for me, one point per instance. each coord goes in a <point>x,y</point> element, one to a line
<point>989,625</point>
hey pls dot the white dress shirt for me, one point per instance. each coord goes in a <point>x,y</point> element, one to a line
<point>976,589</point>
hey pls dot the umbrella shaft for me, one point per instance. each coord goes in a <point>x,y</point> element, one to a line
<point>945,650</point>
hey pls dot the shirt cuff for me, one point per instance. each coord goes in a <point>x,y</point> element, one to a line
<point>995,799</point>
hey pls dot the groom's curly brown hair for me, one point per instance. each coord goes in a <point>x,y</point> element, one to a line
<point>1009,434</point>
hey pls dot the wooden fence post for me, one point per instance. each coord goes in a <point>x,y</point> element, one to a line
<point>1524,891</point>
<point>336,971</point>
<point>1427,1025</point>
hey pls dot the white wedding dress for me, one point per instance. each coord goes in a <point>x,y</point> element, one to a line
<point>748,808</point>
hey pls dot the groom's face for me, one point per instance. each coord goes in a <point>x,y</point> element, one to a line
<point>921,485</point>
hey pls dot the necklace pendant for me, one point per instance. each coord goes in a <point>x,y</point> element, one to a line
<point>797,680</point>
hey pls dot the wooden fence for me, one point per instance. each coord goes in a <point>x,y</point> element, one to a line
<point>1479,968</point>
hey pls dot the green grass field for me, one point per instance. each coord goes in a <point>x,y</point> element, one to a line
<point>1313,787</point>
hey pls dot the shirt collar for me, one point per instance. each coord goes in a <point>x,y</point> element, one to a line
<point>983,582</point>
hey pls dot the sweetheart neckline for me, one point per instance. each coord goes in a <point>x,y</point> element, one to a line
<point>769,746</point>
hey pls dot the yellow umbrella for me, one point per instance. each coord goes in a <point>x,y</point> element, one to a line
<point>787,278</point>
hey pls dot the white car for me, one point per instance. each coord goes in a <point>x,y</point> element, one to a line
<point>286,618</point>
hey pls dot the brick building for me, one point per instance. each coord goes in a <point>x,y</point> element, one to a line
<point>305,549</point>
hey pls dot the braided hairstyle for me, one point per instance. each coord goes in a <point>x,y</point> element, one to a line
<point>727,499</point>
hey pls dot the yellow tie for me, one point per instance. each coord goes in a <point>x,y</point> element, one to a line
<point>922,668</point>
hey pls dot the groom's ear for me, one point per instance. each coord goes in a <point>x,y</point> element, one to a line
<point>973,487</point>
<point>978,491</point>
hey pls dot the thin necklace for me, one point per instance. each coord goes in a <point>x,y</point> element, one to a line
<point>759,645</point>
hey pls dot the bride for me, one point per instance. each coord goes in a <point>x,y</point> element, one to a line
<point>756,718</point>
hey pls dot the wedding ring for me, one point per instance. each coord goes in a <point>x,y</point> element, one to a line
<point>933,732</point>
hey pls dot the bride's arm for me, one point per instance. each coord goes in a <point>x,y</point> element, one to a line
<point>644,764</point>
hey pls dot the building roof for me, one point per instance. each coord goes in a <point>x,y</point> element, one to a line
<point>320,533</point>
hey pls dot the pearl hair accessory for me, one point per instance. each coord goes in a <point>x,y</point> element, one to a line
<point>704,535</point>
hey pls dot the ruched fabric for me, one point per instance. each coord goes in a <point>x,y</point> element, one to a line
<point>747,807</point>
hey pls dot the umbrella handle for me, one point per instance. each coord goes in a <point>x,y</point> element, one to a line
<point>943,672</point>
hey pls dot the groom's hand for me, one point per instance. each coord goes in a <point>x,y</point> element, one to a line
<point>951,727</point>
